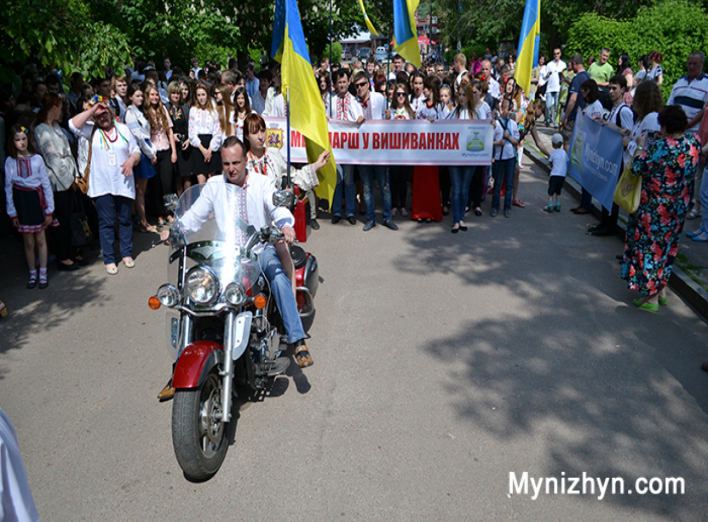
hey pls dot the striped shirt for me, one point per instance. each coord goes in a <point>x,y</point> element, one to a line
<point>691,96</point>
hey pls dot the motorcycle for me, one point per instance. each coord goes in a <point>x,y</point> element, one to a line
<point>224,327</point>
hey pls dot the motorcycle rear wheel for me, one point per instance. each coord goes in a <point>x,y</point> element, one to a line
<point>198,435</point>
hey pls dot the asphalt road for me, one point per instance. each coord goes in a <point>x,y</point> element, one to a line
<point>442,364</point>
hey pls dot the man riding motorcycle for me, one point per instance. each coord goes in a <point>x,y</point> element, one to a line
<point>260,206</point>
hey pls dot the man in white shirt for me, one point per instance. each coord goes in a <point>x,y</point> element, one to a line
<point>373,107</point>
<point>506,140</point>
<point>259,98</point>
<point>168,69</point>
<point>346,108</point>
<point>460,65</point>
<point>195,67</point>
<point>493,85</point>
<point>553,79</point>
<point>398,63</point>
<point>691,91</point>
<point>260,191</point>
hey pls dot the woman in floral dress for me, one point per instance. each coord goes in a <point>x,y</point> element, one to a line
<point>653,232</point>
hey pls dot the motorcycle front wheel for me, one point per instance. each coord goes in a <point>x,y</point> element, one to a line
<point>198,435</point>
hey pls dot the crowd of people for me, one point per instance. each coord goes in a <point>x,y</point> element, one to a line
<point>136,138</point>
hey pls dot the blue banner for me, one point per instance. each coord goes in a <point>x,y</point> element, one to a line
<point>595,157</point>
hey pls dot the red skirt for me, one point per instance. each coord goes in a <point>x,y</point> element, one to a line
<point>426,202</point>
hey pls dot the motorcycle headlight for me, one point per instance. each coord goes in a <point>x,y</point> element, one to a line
<point>168,295</point>
<point>202,285</point>
<point>235,294</point>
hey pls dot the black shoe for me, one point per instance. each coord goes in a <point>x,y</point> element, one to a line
<point>463,228</point>
<point>369,225</point>
<point>314,224</point>
<point>32,283</point>
<point>352,220</point>
<point>336,219</point>
<point>43,283</point>
<point>603,231</point>
<point>67,268</point>
<point>390,224</point>
<point>446,211</point>
<point>82,262</point>
<point>478,211</point>
<point>619,256</point>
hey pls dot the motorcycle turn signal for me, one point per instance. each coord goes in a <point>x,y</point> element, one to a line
<point>154,303</point>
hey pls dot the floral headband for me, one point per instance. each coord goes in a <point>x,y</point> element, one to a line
<point>97,99</point>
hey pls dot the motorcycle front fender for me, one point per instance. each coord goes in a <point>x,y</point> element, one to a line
<point>194,364</point>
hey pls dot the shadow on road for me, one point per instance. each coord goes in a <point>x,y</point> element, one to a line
<point>602,386</point>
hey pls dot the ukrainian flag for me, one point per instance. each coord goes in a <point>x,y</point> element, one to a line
<point>369,25</point>
<point>405,33</point>
<point>307,114</point>
<point>528,44</point>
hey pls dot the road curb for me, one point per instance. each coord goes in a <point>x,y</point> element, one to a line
<point>693,293</point>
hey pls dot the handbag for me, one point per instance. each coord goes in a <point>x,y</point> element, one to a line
<point>628,191</point>
<point>83,182</point>
<point>78,223</point>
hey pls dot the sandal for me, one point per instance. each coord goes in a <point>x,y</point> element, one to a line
<point>649,307</point>
<point>32,282</point>
<point>302,356</point>
<point>147,229</point>
<point>693,214</point>
<point>663,301</point>
<point>161,221</point>
<point>112,269</point>
<point>518,203</point>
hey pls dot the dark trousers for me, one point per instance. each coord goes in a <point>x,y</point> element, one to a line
<point>586,200</point>
<point>110,208</point>
<point>399,185</point>
<point>503,171</point>
<point>476,188</point>
<point>445,185</point>
<point>60,237</point>
<point>166,175</point>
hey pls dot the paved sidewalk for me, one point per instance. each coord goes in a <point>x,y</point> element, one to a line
<point>690,274</point>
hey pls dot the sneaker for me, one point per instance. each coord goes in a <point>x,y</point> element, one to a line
<point>314,225</point>
<point>404,212</point>
<point>394,212</point>
<point>548,208</point>
<point>507,212</point>
<point>494,212</point>
<point>557,207</point>
<point>369,225</point>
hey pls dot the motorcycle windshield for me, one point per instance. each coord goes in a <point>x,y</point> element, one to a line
<point>211,231</point>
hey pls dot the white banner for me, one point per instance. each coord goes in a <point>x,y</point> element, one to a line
<point>395,142</point>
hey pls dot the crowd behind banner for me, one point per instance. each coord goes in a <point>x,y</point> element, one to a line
<point>175,122</point>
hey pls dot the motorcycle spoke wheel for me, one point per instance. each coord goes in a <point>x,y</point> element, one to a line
<point>198,435</point>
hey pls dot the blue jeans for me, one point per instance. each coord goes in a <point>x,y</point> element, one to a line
<point>345,181</point>
<point>460,179</point>
<point>551,106</point>
<point>503,170</point>
<point>108,208</point>
<point>283,292</point>
<point>367,173</point>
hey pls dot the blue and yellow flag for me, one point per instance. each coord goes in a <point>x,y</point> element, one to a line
<point>307,114</point>
<point>369,25</point>
<point>528,44</point>
<point>405,33</point>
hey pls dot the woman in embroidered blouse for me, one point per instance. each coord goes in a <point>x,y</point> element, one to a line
<point>269,162</point>
<point>178,110</point>
<point>54,148</point>
<point>241,110</point>
<point>145,170</point>
<point>113,153</point>
<point>400,109</point>
<point>225,109</point>
<point>162,137</point>
<point>205,134</point>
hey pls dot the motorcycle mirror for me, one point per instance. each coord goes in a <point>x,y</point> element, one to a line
<point>170,201</point>
<point>283,198</point>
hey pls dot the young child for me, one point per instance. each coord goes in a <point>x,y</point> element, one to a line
<point>30,201</point>
<point>559,163</point>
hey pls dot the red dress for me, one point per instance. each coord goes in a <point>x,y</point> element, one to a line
<point>426,202</point>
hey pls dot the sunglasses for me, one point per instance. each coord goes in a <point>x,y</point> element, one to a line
<point>360,84</point>
<point>401,94</point>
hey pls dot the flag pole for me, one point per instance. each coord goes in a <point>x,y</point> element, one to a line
<point>287,116</point>
<point>388,68</point>
<point>330,58</point>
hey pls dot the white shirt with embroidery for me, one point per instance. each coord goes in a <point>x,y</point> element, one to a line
<point>203,121</point>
